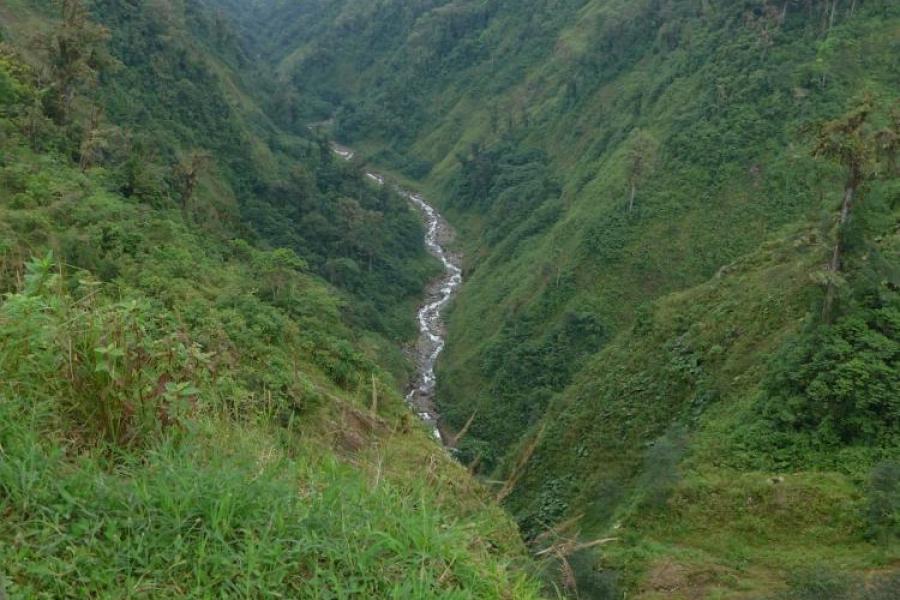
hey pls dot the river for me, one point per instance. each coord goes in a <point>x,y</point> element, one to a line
<point>438,294</point>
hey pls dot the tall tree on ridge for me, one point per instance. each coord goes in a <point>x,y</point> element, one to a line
<point>187,175</point>
<point>641,158</point>
<point>851,142</point>
<point>76,54</point>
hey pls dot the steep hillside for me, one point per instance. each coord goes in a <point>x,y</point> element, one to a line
<point>532,138</point>
<point>717,469</point>
<point>200,372</point>
<point>649,199</point>
<point>675,358</point>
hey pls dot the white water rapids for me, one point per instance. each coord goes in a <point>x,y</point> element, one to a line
<point>432,332</point>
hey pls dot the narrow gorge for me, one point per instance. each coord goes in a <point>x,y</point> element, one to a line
<point>469,299</point>
<point>438,294</point>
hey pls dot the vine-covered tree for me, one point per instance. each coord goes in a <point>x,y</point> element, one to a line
<point>866,153</point>
<point>641,160</point>
<point>98,141</point>
<point>76,54</point>
<point>187,175</point>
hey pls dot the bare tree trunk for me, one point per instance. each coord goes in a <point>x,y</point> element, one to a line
<point>463,431</point>
<point>831,18</point>
<point>847,204</point>
<point>517,471</point>
<point>90,140</point>
<point>845,215</point>
<point>631,198</point>
<point>835,265</point>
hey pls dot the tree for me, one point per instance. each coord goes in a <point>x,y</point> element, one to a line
<point>187,174</point>
<point>97,140</point>
<point>343,272</point>
<point>12,87</point>
<point>286,104</point>
<point>36,125</point>
<point>839,381</point>
<point>888,142</point>
<point>277,269</point>
<point>641,160</point>
<point>853,143</point>
<point>303,186</point>
<point>142,175</point>
<point>76,54</point>
<point>884,502</point>
<point>362,229</point>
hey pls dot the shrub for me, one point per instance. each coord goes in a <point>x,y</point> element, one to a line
<point>820,583</point>
<point>840,381</point>
<point>121,371</point>
<point>884,502</point>
<point>660,473</point>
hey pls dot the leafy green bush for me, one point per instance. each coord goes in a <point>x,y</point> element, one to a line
<point>884,502</point>
<point>827,584</point>
<point>819,584</point>
<point>841,380</point>
<point>661,474</point>
<point>122,372</point>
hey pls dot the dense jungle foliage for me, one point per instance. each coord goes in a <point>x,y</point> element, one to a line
<point>200,327</point>
<point>675,360</point>
<point>679,328</point>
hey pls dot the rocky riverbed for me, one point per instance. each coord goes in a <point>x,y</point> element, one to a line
<point>438,294</point>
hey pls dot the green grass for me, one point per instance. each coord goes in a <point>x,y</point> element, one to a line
<point>230,511</point>
<point>737,504</point>
<point>685,326</point>
<point>185,402</point>
<point>727,92</point>
<point>666,370</point>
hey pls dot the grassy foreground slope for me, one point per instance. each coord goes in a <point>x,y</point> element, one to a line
<point>186,408</point>
<point>648,236</point>
<point>171,433</point>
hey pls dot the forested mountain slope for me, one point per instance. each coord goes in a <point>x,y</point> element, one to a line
<point>675,356</point>
<point>679,327</point>
<point>200,329</point>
